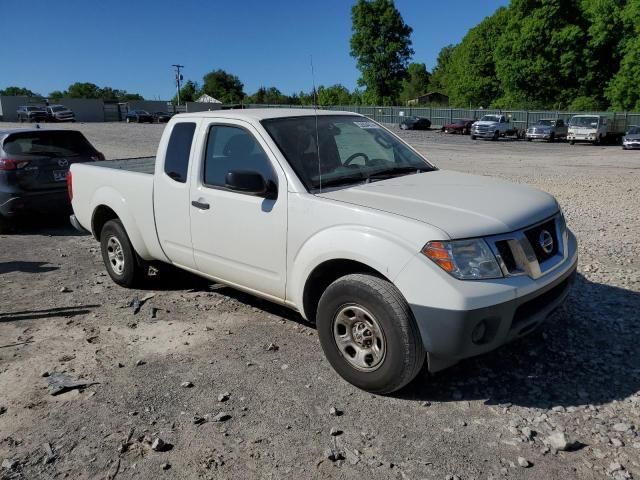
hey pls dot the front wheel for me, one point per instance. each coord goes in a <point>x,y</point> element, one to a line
<point>128,120</point>
<point>496,135</point>
<point>572,142</point>
<point>403,126</point>
<point>473,137</point>
<point>122,262</point>
<point>368,333</point>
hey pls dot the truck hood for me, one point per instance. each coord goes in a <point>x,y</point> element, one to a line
<point>460,204</point>
<point>485,122</point>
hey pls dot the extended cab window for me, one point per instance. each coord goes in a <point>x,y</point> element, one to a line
<point>233,148</point>
<point>176,162</point>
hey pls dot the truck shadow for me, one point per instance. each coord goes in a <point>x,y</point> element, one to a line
<point>54,224</point>
<point>587,353</point>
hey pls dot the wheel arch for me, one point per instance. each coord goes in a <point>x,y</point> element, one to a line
<point>324,275</point>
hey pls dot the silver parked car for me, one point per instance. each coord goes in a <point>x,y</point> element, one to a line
<point>631,139</point>
<point>547,129</point>
<point>60,113</point>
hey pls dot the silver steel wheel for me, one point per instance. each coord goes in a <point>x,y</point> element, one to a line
<point>115,255</point>
<point>359,338</point>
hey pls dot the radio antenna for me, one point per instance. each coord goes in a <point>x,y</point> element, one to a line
<point>315,110</point>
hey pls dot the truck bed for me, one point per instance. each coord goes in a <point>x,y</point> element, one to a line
<point>138,164</point>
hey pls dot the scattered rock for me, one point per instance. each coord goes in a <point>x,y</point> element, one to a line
<point>614,467</point>
<point>9,464</point>
<point>140,363</point>
<point>3,409</point>
<point>558,441</point>
<point>622,427</point>
<point>272,347</point>
<point>159,445</point>
<point>66,358</point>
<point>60,383</point>
<point>166,466</point>
<point>335,431</point>
<point>523,462</point>
<point>44,374</point>
<point>333,411</point>
<point>221,417</point>
<point>333,454</point>
<point>223,397</point>
<point>186,384</point>
<point>199,420</point>
<point>64,290</point>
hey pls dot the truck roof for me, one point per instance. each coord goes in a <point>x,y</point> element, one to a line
<point>264,113</point>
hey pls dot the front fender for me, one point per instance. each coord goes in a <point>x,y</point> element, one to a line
<point>110,197</point>
<point>378,249</point>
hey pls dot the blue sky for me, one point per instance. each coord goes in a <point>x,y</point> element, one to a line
<point>131,44</point>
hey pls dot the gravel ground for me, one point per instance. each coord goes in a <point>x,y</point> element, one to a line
<point>562,403</point>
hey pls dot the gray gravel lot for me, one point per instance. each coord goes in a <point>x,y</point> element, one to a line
<point>562,403</point>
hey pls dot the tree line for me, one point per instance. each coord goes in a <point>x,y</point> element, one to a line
<point>77,90</point>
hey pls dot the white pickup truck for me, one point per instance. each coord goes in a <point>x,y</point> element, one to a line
<point>493,127</point>
<point>332,215</point>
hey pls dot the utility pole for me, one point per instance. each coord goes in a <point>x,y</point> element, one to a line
<point>178,79</point>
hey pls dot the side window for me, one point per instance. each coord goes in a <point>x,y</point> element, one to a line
<point>176,162</point>
<point>233,148</point>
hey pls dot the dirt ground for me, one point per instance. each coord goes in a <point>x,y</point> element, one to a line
<point>250,411</point>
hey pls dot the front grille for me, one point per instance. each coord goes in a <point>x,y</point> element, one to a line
<point>507,255</point>
<point>533,235</point>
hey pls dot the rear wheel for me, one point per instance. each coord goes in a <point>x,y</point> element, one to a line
<point>123,264</point>
<point>368,333</point>
<point>4,225</point>
<point>403,126</point>
<point>128,120</point>
<point>473,137</point>
<point>552,138</point>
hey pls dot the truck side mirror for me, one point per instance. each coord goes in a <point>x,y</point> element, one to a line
<point>249,182</point>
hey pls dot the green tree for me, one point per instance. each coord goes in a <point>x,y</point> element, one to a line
<point>622,90</point>
<point>84,90</point>
<point>18,92</point>
<point>538,57</point>
<point>56,95</point>
<point>415,83</point>
<point>269,96</point>
<point>334,95</point>
<point>223,86</point>
<point>189,92</point>
<point>471,69</point>
<point>440,73</point>
<point>381,44</point>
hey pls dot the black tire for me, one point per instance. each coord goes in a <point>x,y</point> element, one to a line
<point>529,139</point>
<point>552,138</point>
<point>496,135</point>
<point>597,141</point>
<point>572,142</point>
<point>128,119</point>
<point>133,273</point>
<point>403,126</point>
<point>403,349</point>
<point>473,137</point>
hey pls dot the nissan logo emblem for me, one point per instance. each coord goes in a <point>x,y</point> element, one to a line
<point>63,162</point>
<point>546,242</point>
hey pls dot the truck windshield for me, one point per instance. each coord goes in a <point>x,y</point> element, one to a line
<point>352,150</point>
<point>589,122</point>
<point>546,123</point>
<point>490,118</point>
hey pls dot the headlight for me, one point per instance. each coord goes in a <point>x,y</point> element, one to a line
<point>464,259</point>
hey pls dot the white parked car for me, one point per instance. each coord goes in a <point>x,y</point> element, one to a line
<point>334,216</point>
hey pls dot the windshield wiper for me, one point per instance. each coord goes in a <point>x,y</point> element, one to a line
<point>394,172</point>
<point>334,182</point>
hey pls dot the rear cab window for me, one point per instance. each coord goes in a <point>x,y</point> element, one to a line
<point>176,161</point>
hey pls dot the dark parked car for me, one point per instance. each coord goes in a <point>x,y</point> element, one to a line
<point>631,139</point>
<point>139,116</point>
<point>29,113</point>
<point>161,117</point>
<point>415,123</point>
<point>33,169</point>
<point>60,113</point>
<point>462,126</point>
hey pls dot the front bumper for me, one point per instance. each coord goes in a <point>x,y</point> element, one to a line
<point>483,134</point>
<point>539,136</point>
<point>631,145</point>
<point>508,309</point>
<point>12,204</point>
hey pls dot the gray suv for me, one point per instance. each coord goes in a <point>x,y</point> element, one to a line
<point>31,113</point>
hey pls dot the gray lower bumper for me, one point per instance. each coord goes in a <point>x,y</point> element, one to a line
<point>450,332</point>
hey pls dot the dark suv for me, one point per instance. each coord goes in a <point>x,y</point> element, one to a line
<point>30,113</point>
<point>33,169</point>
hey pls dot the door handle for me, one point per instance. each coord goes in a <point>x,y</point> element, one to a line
<point>200,205</point>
